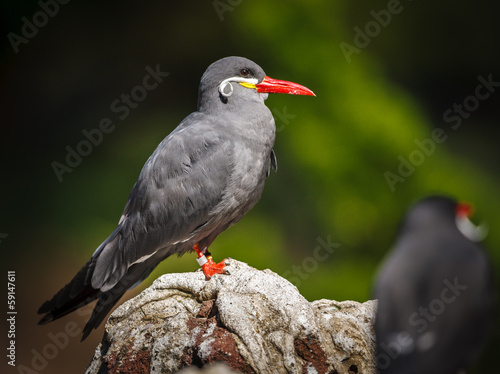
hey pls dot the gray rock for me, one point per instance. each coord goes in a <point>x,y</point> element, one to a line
<point>254,321</point>
<point>217,368</point>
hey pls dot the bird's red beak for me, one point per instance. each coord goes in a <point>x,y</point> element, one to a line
<point>270,85</point>
<point>464,209</point>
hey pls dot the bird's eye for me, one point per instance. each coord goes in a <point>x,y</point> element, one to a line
<point>244,72</point>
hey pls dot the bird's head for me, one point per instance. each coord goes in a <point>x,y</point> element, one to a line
<point>238,79</point>
<point>435,211</point>
<point>463,212</point>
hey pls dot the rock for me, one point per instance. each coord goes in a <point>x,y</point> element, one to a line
<point>254,321</point>
<point>217,368</point>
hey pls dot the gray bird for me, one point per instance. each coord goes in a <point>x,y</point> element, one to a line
<point>435,292</point>
<point>200,180</point>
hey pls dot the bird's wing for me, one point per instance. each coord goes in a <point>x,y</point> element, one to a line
<point>273,163</point>
<point>180,184</point>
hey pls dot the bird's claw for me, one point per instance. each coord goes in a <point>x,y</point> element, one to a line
<point>211,268</point>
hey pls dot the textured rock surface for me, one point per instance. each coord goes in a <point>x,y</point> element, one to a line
<point>254,321</point>
<point>217,368</point>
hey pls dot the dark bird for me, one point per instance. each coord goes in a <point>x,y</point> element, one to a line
<point>435,292</point>
<point>200,180</point>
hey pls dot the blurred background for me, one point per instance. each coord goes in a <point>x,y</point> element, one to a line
<point>349,160</point>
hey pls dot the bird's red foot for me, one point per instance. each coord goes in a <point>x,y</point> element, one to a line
<point>208,265</point>
<point>210,268</point>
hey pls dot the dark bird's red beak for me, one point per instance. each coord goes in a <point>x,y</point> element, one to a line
<point>271,85</point>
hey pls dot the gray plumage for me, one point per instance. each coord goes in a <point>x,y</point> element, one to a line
<point>435,294</point>
<point>200,180</point>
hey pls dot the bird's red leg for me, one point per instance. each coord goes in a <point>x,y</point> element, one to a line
<point>208,265</point>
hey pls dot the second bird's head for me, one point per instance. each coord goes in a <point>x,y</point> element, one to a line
<point>240,80</point>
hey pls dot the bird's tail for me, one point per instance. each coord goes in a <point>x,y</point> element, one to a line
<point>104,305</point>
<point>79,292</point>
<point>76,294</point>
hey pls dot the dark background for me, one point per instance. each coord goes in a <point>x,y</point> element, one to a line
<point>333,150</point>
